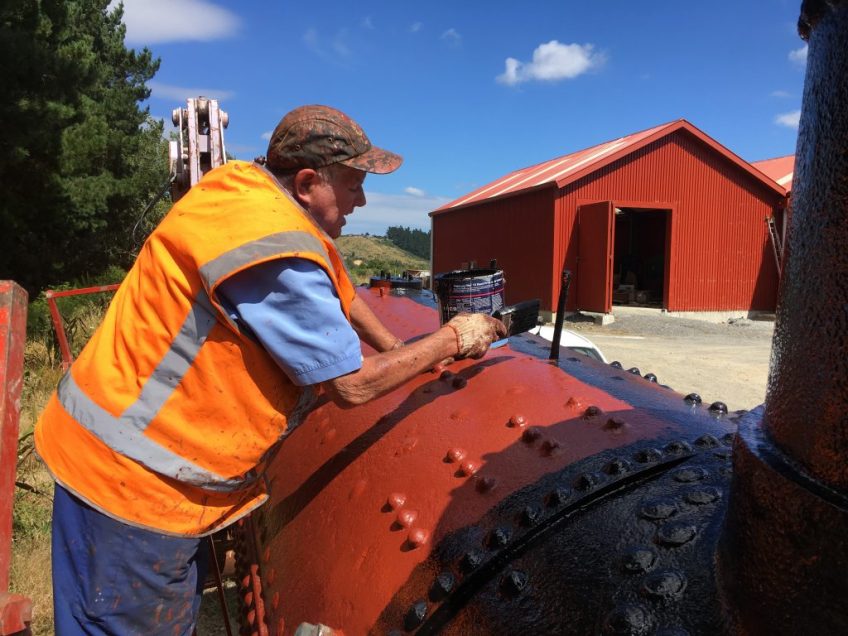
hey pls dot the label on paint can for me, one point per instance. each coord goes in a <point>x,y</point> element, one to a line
<point>476,291</point>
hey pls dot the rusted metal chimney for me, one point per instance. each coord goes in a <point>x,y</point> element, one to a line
<point>784,552</point>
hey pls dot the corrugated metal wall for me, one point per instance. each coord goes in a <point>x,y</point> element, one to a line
<point>720,257</point>
<point>517,231</point>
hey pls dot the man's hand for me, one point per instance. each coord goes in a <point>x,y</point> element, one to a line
<point>474,334</point>
<point>469,334</point>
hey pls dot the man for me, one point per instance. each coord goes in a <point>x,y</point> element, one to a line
<point>237,308</point>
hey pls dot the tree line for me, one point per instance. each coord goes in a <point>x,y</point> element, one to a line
<point>413,241</point>
<point>80,159</point>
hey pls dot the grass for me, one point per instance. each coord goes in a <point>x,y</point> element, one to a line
<point>30,568</point>
<point>367,256</point>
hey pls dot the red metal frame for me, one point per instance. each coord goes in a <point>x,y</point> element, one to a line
<point>15,610</point>
<point>58,323</point>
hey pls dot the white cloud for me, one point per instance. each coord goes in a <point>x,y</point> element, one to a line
<point>155,21</point>
<point>182,93</point>
<point>333,49</point>
<point>367,23</point>
<point>452,37</point>
<point>781,94</point>
<point>339,45</point>
<point>552,61</point>
<point>799,56</point>
<point>383,210</point>
<point>416,192</point>
<point>267,135</point>
<point>790,120</point>
<point>416,27</point>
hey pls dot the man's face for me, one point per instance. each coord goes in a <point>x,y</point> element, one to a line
<point>335,196</point>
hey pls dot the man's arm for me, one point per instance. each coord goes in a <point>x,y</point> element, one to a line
<point>465,335</point>
<point>291,307</point>
<point>369,328</point>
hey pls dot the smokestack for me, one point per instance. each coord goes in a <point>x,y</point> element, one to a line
<point>783,556</point>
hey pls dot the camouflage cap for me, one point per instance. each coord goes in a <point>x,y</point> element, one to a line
<point>317,136</point>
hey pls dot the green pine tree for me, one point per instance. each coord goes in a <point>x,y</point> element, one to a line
<point>80,158</point>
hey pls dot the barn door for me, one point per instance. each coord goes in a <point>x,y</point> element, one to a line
<point>594,257</point>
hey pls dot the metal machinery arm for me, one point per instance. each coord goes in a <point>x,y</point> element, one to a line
<point>200,147</point>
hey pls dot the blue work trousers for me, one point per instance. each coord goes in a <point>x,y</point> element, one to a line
<point>113,578</point>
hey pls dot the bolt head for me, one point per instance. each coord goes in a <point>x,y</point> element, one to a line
<point>456,454</point>
<point>559,496</point>
<point>459,382</point>
<point>471,561</point>
<point>513,582</point>
<point>442,586</point>
<point>531,434</point>
<point>417,537</point>
<point>551,446</point>
<point>498,538</point>
<point>718,408</point>
<point>486,484</point>
<point>518,421</point>
<point>396,500</point>
<point>615,424</point>
<point>407,517</point>
<point>416,614</point>
<point>468,468</point>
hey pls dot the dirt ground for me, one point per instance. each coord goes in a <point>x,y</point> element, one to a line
<point>720,361</point>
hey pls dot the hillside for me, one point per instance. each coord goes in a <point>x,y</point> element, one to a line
<point>366,256</point>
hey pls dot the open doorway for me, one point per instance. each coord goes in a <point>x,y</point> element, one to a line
<point>640,256</point>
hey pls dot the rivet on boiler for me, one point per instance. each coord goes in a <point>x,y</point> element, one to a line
<point>418,537</point>
<point>518,421</point>
<point>407,517</point>
<point>396,500</point>
<point>456,454</point>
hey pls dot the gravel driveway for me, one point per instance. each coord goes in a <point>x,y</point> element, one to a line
<point>720,361</point>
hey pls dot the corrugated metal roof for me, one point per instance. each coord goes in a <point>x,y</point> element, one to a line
<point>568,168</point>
<point>781,169</point>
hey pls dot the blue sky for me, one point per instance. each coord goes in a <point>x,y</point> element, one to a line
<point>468,91</point>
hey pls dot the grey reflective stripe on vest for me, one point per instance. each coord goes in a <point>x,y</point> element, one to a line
<point>125,433</point>
<point>271,245</point>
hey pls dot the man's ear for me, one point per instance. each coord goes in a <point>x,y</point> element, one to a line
<point>304,185</point>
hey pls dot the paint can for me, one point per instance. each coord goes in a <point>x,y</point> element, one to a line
<point>476,291</point>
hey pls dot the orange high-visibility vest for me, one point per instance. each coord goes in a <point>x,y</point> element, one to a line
<point>165,418</point>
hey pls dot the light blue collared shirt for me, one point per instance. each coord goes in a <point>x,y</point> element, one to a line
<point>291,307</point>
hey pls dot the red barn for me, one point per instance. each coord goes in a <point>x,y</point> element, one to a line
<point>666,217</point>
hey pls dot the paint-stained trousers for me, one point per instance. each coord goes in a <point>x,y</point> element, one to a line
<point>112,578</point>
